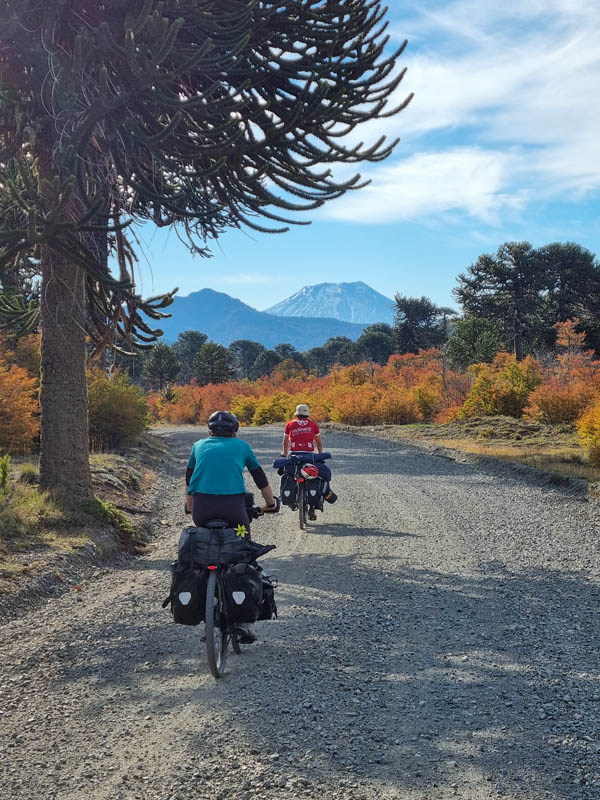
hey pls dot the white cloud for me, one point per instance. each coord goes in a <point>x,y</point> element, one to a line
<point>467,179</point>
<point>511,90</point>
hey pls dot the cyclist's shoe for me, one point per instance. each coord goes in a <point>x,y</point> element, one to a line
<point>247,633</point>
<point>311,514</point>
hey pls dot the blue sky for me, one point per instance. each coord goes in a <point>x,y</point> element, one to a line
<point>501,142</point>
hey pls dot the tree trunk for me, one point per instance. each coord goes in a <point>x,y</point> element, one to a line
<point>64,461</point>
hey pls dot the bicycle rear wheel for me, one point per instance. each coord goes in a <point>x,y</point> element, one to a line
<point>216,638</point>
<point>302,506</point>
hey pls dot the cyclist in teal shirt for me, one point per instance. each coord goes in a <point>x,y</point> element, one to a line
<point>215,474</point>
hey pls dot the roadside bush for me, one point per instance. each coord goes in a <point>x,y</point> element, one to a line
<point>277,408</point>
<point>154,407</point>
<point>502,387</point>
<point>396,408</point>
<point>182,405</point>
<point>244,407</point>
<point>19,409</point>
<point>427,399</point>
<point>552,403</point>
<point>356,405</point>
<point>588,428</point>
<point>118,411</point>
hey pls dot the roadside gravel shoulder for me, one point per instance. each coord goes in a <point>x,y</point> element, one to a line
<point>496,466</point>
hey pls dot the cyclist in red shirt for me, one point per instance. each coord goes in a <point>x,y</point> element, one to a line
<point>302,435</point>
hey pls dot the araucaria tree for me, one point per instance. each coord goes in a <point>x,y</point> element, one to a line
<point>505,288</point>
<point>205,115</point>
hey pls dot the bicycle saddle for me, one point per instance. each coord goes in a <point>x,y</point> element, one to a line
<point>213,524</point>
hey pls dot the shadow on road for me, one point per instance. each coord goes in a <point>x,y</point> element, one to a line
<point>411,677</point>
<point>335,529</point>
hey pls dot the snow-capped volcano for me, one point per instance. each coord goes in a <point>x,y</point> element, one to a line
<point>350,302</point>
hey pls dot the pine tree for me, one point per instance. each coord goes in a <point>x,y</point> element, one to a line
<point>206,115</point>
<point>244,353</point>
<point>572,289</point>
<point>185,348</point>
<point>161,367</point>
<point>505,289</point>
<point>265,363</point>
<point>420,324</point>
<point>213,364</point>
<point>474,340</point>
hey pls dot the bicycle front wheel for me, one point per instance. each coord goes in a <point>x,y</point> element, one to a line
<point>216,638</point>
<point>302,507</point>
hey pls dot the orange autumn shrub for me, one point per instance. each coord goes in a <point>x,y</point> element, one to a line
<point>19,409</point>
<point>573,361</point>
<point>554,403</point>
<point>588,428</point>
<point>154,409</point>
<point>396,408</point>
<point>449,414</point>
<point>355,405</point>
<point>184,406</point>
<point>26,353</point>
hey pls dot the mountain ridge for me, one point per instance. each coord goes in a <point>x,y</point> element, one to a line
<point>353,302</point>
<point>224,319</point>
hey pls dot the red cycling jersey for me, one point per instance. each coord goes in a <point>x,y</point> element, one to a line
<point>302,434</point>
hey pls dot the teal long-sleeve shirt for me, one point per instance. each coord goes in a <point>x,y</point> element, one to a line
<point>218,465</point>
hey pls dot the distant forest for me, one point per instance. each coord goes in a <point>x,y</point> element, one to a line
<point>510,300</point>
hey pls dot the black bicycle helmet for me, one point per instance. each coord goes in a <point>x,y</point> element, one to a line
<point>223,421</point>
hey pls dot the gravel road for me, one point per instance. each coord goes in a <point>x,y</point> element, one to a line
<point>438,638</point>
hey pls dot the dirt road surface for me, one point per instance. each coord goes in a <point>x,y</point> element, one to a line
<point>438,638</point>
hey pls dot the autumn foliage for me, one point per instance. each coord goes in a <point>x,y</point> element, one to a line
<point>563,387</point>
<point>19,409</point>
<point>589,432</point>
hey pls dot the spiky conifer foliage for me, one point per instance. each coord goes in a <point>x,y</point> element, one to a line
<point>209,114</point>
<point>204,113</point>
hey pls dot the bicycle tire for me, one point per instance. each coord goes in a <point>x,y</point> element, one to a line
<point>216,639</point>
<point>301,507</point>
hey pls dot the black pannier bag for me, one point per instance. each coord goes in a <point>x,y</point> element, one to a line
<point>268,608</point>
<point>215,546</point>
<point>243,592</point>
<point>288,490</point>
<point>188,594</point>
<point>314,492</point>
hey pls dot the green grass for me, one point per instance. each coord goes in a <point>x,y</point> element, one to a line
<point>107,513</point>
<point>33,528</point>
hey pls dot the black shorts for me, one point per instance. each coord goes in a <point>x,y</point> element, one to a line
<point>230,507</point>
